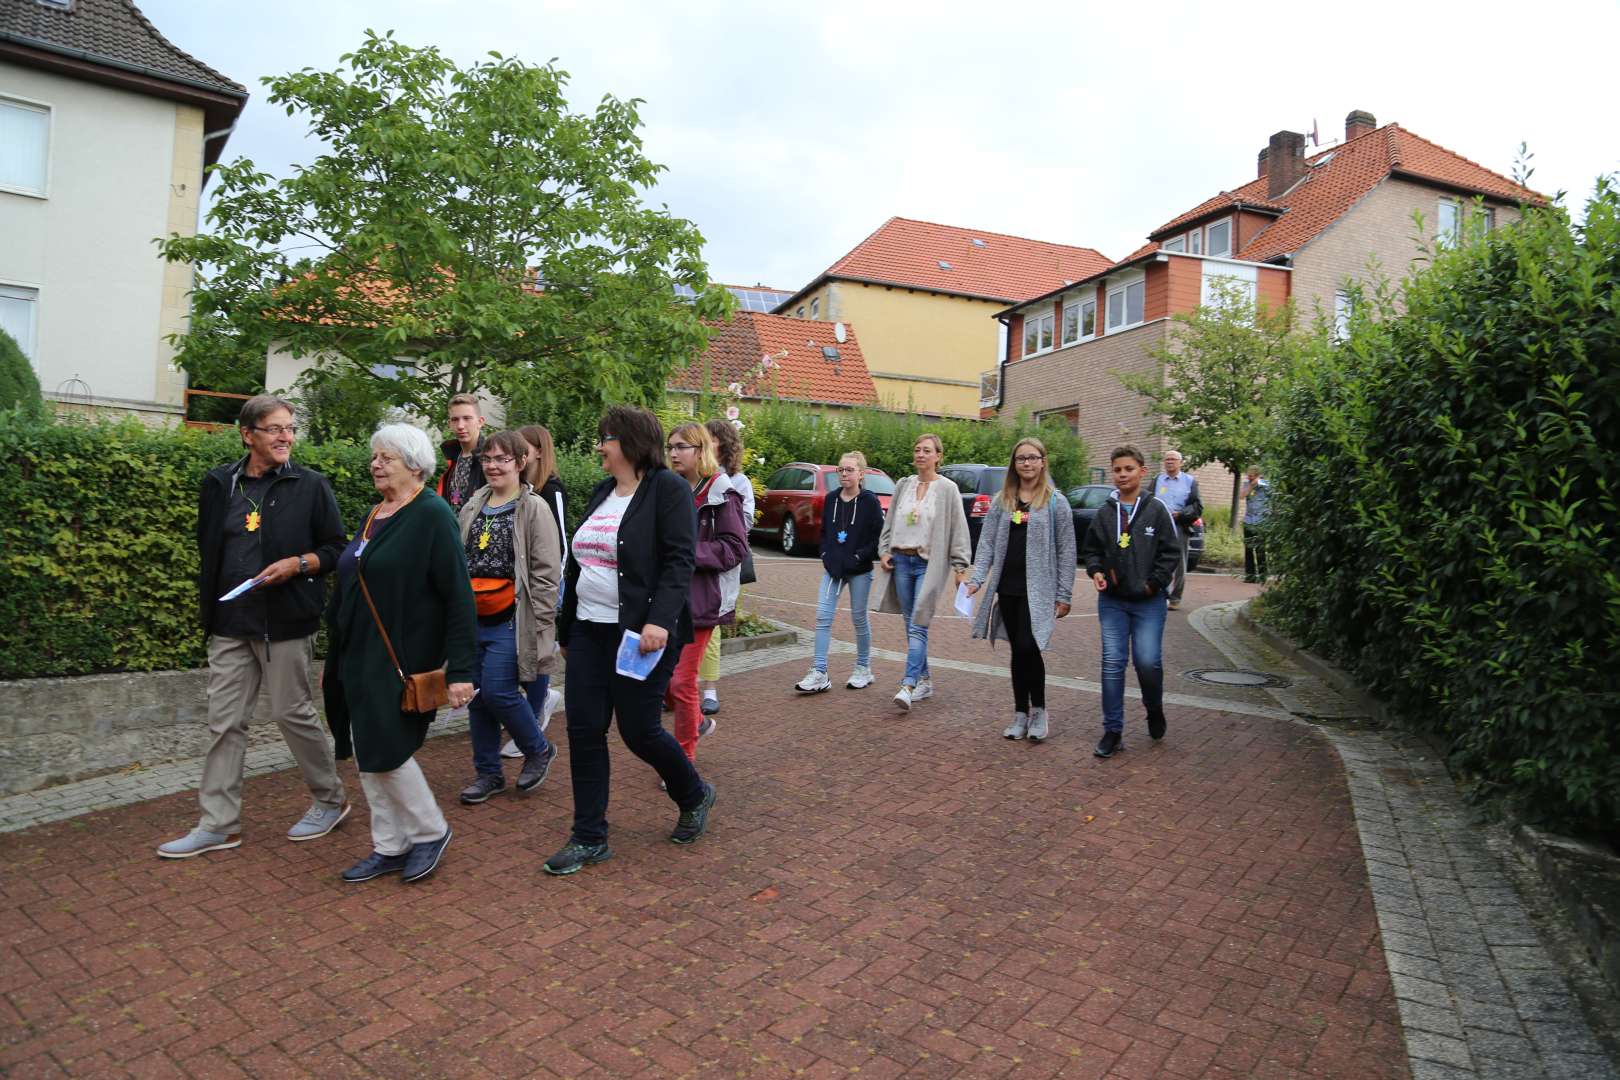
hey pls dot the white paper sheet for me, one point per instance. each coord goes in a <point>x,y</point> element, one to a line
<point>239,590</point>
<point>964,600</point>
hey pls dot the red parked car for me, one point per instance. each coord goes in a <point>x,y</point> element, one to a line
<point>790,506</point>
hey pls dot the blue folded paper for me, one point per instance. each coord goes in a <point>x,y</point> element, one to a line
<point>632,662</point>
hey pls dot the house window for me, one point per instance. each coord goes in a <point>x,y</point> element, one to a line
<point>25,142</point>
<point>1487,219</point>
<point>1220,239</point>
<point>800,312</point>
<point>1079,321</point>
<point>1178,244</point>
<point>815,308</point>
<point>1037,334</point>
<point>17,315</point>
<point>1125,305</point>
<point>1343,307</point>
<point>1450,219</point>
<point>1195,242</point>
<point>1088,319</point>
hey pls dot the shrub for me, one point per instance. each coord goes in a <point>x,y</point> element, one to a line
<point>1448,521</point>
<point>19,386</point>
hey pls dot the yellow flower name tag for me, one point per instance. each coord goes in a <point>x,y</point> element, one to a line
<point>1124,540</point>
<point>1018,517</point>
<point>252,524</point>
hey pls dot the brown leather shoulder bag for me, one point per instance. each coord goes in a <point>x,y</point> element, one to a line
<point>424,692</point>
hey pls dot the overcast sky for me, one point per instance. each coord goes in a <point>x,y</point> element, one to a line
<point>791,132</point>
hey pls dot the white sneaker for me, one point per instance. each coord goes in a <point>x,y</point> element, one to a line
<point>923,689</point>
<point>511,750</point>
<point>903,698</point>
<point>554,700</point>
<point>860,678</point>
<point>813,683</point>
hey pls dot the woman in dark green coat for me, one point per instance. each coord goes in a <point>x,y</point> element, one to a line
<point>408,555</point>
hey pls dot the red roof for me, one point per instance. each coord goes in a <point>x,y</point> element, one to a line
<point>1337,178</point>
<point>990,265</point>
<point>799,369</point>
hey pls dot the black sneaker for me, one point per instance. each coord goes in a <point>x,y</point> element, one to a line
<point>424,858</point>
<point>483,786</point>
<point>374,865</point>
<point>692,822</point>
<point>535,768</point>
<point>1112,743</point>
<point>575,856</point>
<point>1156,726</point>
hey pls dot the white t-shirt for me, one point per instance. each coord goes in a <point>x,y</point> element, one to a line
<point>596,549</point>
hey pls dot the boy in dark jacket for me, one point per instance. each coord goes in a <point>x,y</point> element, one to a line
<point>1132,551</point>
<point>851,523</point>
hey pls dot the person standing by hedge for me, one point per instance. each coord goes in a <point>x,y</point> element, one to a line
<point>729,449</point>
<point>1026,563</point>
<point>1131,552</point>
<point>926,550</point>
<point>1256,507</point>
<point>463,470</point>
<point>1178,490</point>
<point>267,519</point>
<point>851,522</point>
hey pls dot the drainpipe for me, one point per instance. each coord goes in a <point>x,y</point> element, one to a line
<point>1001,365</point>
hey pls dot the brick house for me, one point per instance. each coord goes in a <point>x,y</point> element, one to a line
<point>818,365</point>
<point>923,294</point>
<point>1302,228</point>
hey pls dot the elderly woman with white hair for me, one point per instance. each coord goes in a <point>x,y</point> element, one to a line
<point>403,605</point>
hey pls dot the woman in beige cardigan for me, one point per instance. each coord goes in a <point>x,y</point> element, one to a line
<point>514,556</point>
<point>925,548</point>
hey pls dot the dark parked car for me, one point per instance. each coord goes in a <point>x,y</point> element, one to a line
<point>979,484</point>
<point>1085,501</point>
<point>790,506</point>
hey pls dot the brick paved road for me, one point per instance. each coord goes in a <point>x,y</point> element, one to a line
<point>897,896</point>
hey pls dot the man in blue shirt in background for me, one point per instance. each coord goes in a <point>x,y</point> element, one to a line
<point>1179,491</point>
<point>1256,505</point>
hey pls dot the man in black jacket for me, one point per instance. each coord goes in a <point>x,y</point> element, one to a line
<point>1131,552</point>
<point>463,455</point>
<point>266,520</point>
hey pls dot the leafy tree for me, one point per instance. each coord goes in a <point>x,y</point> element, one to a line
<point>469,232</point>
<point>1224,374</point>
<point>19,386</point>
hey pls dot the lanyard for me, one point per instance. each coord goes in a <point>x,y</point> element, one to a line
<point>1126,519</point>
<point>365,533</point>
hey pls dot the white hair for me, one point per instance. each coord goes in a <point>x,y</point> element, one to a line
<point>412,445</point>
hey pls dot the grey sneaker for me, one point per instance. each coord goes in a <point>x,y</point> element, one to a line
<point>813,683</point>
<point>923,689</point>
<point>1037,725</point>
<point>1018,727</point>
<point>318,821</point>
<point>711,702</point>
<point>707,725</point>
<point>198,841</point>
<point>554,700</point>
<point>535,769</point>
<point>482,787</point>
<point>511,749</point>
<point>860,678</point>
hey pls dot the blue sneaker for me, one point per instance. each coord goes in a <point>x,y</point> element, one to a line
<point>374,865</point>
<point>318,821</point>
<point>424,858</point>
<point>198,841</point>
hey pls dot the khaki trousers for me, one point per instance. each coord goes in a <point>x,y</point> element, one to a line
<point>237,668</point>
<point>403,810</point>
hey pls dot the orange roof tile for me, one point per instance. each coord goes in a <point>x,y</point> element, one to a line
<point>799,370</point>
<point>991,265</point>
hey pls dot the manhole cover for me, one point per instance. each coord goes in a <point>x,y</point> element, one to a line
<point>1235,677</point>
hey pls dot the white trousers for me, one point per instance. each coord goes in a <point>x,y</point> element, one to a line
<point>403,810</point>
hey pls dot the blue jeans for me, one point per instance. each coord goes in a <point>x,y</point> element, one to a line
<point>1133,628</point>
<point>908,576</point>
<point>860,589</point>
<point>499,702</point>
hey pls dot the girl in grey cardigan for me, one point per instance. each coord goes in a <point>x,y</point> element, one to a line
<point>1026,558</point>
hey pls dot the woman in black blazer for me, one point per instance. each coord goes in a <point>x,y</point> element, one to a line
<point>629,569</point>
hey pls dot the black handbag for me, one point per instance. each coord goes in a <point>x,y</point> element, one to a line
<point>748,577</point>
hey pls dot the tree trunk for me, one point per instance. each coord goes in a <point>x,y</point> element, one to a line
<point>1236,480</point>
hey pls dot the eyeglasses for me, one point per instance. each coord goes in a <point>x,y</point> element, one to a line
<point>497,459</point>
<point>681,446</point>
<point>1028,459</point>
<point>384,459</point>
<point>603,440</point>
<point>279,429</point>
<point>847,469</point>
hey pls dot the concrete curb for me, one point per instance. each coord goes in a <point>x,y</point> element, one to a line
<point>733,646</point>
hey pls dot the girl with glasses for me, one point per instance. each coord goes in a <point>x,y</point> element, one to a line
<point>1025,566</point>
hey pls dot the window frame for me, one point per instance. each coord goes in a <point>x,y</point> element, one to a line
<point>1443,236</point>
<point>1122,290</point>
<point>1343,309</point>
<point>1035,322</point>
<point>1179,242</point>
<point>1195,242</point>
<point>32,105</point>
<point>1209,245</point>
<point>16,291</point>
<point>815,307</point>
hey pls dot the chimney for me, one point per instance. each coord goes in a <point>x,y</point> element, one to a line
<point>1285,161</point>
<point>1358,123</point>
<point>1264,153</point>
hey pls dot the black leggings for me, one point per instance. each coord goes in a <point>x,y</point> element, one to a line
<point>1028,669</point>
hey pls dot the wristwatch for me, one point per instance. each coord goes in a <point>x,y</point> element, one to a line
<point>303,565</point>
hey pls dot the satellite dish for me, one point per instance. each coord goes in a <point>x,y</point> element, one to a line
<point>839,332</point>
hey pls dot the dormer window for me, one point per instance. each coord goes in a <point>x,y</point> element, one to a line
<point>1195,242</point>
<point>1218,237</point>
<point>1178,243</point>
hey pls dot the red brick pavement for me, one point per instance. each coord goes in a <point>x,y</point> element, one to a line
<point>898,895</point>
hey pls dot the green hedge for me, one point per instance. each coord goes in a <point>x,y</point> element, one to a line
<point>1448,513</point>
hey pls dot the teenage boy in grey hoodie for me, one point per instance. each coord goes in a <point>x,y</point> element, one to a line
<point>1131,552</point>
